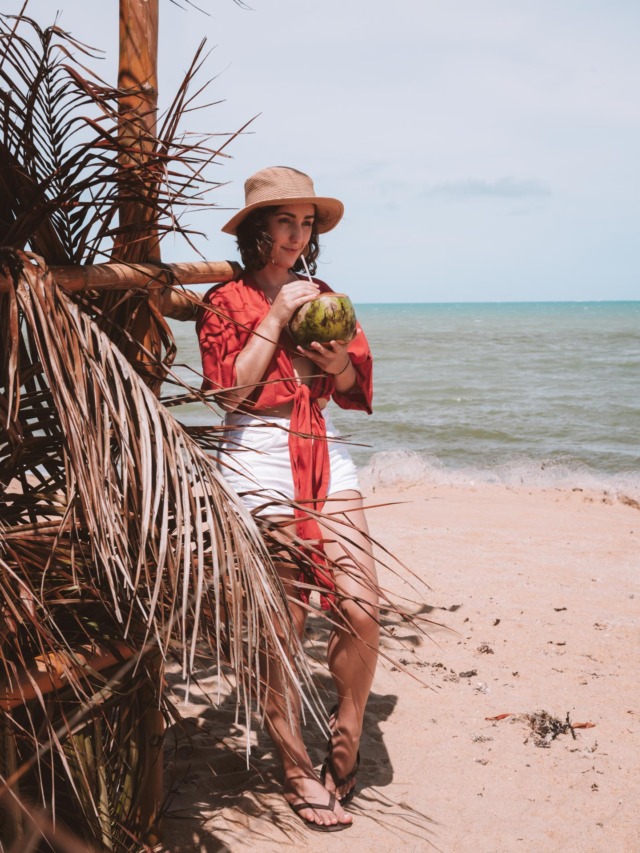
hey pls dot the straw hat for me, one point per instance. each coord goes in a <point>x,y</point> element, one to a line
<point>278,185</point>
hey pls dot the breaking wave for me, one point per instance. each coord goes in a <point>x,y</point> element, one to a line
<point>406,467</point>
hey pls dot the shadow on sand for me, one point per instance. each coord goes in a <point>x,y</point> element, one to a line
<point>216,801</point>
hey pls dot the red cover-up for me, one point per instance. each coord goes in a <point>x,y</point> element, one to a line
<point>240,306</point>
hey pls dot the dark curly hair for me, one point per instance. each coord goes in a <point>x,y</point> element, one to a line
<point>254,243</point>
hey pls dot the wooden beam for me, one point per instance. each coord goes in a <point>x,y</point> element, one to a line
<point>119,276</point>
<point>49,673</point>
<point>171,301</point>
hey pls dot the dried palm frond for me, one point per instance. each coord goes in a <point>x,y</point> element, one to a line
<point>65,173</point>
<point>116,528</point>
<point>75,190</point>
<point>133,493</point>
<point>118,539</point>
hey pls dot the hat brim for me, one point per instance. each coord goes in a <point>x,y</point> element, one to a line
<point>329,211</point>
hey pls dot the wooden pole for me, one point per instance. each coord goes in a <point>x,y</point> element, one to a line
<point>138,83</point>
<point>138,240</point>
<point>138,109</point>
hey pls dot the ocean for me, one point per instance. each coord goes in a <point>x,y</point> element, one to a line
<point>541,394</point>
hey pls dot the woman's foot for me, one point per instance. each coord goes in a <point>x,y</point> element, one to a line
<point>343,785</point>
<point>314,804</point>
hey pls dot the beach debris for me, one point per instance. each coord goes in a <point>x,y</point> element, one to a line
<point>544,726</point>
<point>485,649</point>
<point>451,676</point>
<point>629,501</point>
<point>496,622</point>
<point>558,609</point>
<point>420,664</point>
<point>437,668</point>
<point>469,674</point>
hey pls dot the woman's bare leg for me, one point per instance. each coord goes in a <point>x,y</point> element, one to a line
<point>353,647</point>
<point>301,783</point>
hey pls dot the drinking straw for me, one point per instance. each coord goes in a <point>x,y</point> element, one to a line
<point>304,264</point>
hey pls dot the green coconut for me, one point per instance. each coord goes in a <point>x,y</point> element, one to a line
<point>328,317</point>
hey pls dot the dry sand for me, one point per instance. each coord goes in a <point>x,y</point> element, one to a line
<point>539,591</point>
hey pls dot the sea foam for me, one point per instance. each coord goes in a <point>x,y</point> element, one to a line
<point>406,467</point>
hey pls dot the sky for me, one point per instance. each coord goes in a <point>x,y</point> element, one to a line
<point>485,150</point>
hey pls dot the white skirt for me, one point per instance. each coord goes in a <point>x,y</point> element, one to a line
<point>255,461</point>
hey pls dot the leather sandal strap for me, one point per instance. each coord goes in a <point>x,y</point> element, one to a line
<point>321,806</point>
<point>334,773</point>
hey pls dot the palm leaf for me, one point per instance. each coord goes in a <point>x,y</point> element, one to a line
<point>68,175</point>
<point>133,492</point>
<point>115,524</point>
<point>65,172</point>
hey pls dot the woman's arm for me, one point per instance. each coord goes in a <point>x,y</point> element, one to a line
<point>253,361</point>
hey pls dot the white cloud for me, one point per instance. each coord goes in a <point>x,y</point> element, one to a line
<point>501,188</point>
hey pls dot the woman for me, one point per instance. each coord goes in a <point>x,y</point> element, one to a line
<point>275,396</point>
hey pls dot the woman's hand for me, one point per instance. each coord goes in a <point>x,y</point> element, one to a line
<point>290,297</point>
<point>252,363</point>
<point>332,358</point>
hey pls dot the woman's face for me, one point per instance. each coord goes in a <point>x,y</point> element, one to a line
<point>290,230</point>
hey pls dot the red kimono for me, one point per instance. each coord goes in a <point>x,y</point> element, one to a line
<point>240,306</point>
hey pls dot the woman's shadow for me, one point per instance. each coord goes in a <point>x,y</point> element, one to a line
<point>216,793</point>
<point>375,763</point>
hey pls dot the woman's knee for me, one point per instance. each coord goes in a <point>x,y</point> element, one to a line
<point>360,615</point>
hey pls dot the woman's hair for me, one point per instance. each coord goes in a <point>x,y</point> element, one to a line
<point>255,243</point>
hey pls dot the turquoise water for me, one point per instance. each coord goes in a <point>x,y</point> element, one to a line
<point>534,393</point>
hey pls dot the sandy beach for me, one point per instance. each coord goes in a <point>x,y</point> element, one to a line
<point>537,595</point>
